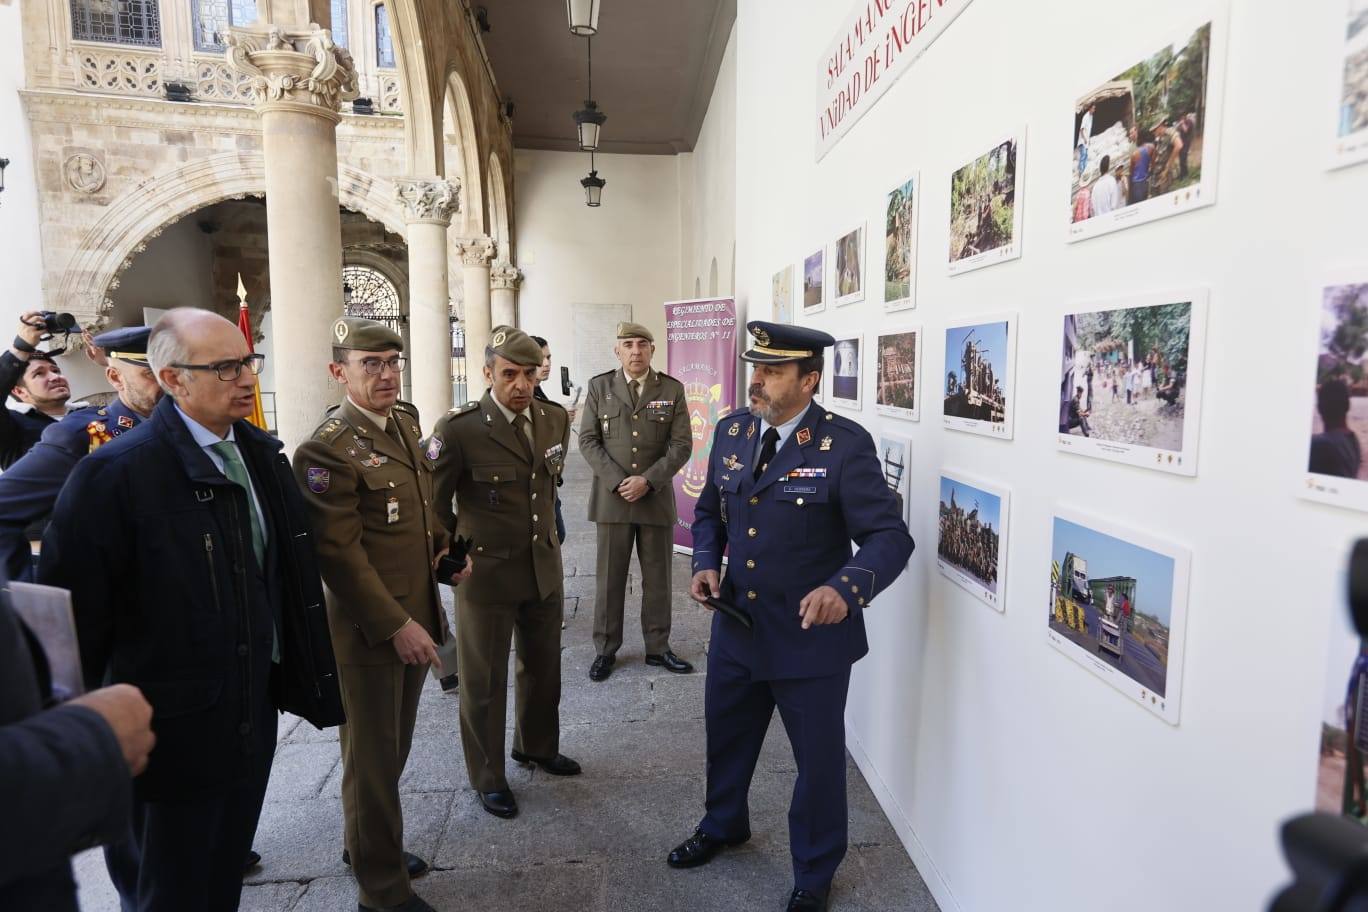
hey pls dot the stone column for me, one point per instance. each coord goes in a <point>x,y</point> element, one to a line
<point>504,279</point>
<point>299,78</point>
<point>475,255</point>
<point>428,205</point>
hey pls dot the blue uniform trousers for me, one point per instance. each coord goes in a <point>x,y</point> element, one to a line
<point>738,712</point>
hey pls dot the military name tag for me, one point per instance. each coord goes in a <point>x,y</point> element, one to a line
<point>799,489</point>
<point>392,510</point>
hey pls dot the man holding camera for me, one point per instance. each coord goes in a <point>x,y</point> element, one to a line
<point>368,485</point>
<point>32,377</point>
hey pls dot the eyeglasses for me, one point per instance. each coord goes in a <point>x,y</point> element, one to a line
<point>375,366</point>
<point>228,370</point>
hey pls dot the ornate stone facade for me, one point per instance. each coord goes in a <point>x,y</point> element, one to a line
<point>431,200</point>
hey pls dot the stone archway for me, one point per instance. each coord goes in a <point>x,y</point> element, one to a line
<point>163,199</point>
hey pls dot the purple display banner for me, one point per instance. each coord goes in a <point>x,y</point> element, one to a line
<point>700,340</point>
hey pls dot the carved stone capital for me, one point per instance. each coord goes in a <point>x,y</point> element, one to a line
<point>476,251</point>
<point>504,275</point>
<point>293,69</point>
<point>429,200</point>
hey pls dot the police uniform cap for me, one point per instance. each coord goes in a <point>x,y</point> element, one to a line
<point>360,334</point>
<point>778,343</point>
<point>516,346</point>
<point>127,343</point>
<point>629,330</point>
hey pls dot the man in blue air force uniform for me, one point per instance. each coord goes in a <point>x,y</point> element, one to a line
<point>789,486</point>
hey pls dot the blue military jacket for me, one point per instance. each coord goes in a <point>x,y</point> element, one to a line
<point>789,532</point>
<point>29,488</point>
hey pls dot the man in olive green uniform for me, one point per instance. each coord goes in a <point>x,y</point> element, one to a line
<point>500,458</point>
<point>370,494</point>
<point>635,436</point>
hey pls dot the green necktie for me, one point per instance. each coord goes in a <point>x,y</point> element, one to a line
<point>236,470</point>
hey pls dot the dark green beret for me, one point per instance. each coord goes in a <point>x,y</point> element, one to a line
<point>515,345</point>
<point>360,334</point>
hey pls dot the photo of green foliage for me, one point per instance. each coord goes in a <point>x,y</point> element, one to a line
<point>983,201</point>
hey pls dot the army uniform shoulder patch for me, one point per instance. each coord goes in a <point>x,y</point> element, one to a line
<point>407,408</point>
<point>318,478</point>
<point>463,409</point>
<point>607,373</point>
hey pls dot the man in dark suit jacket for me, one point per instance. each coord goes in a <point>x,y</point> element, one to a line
<point>32,377</point>
<point>63,771</point>
<point>198,583</point>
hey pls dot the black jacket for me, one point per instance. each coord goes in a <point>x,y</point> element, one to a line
<point>63,779</point>
<point>19,431</point>
<point>155,545</point>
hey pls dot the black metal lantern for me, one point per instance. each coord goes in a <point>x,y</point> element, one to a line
<point>593,187</point>
<point>589,121</point>
<point>583,16</point>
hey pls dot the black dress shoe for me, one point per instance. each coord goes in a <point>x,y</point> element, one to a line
<point>500,804</point>
<point>559,765</point>
<point>602,668</point>
<point>699,849</point>
<point>416,866</point>
<point>450,684</point>
<point>808,900</point>
<point>670,662</point>
<point>414,903</point>
<point>253,859</point>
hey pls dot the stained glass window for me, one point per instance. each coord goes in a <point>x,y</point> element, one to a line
<point>117,21</point>
<point>213,19</point>
<point>367,293</point>
<point>384,44</point>
<point>339,22</point>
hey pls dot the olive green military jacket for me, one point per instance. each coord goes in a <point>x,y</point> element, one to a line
<point>503,501</point>
<point>371,502</point>
<point>652,439</point>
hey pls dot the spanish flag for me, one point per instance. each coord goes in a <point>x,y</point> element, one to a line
<point>258,417</point>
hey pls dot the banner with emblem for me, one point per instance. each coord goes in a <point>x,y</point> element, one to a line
<point>700,340</point>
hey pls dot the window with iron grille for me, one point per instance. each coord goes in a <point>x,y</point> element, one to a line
<point>367,293</point>
<point>384,44</point>
<point>136,22</point>
<point>339,23</point>
<point>213,19</point>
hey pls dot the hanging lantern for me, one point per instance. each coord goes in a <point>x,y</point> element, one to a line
<point>593,189</point>
<point>583,16</point>
<point>589,121</point>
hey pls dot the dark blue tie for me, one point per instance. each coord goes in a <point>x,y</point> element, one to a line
<point>769,443</point>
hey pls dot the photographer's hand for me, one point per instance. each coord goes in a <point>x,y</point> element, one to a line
<point>30,332</point>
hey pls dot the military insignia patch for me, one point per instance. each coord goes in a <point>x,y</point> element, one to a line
<point>375,460</point>
<point>434,447</point>
<point>750,431</point>
<point>340,330</point>
<point>733,430</point>
<point>761,336</point>
<point>99,435</point>
<point>500,338</point>
<point>732,463</point>
<point>318,479</point>
<point>825,445</point>
<point>804,436</point>
<point>125,422</point>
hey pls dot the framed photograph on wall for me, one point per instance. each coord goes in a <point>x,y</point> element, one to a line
<point>895,459</point>
<point>846,374</point>
<point>1146,136</point>
<point>980,363</point>
<point>1351,85</point>
<point>971,537</point>
<point>900,247</point>
<point>986,205</point>
<point>848,277</point>
<point>897,373</point>
<point>781,295</point>
<point>814,282</point>
<point>1118,607</point>
<point>1334,470</point>
<point>1130,386</point>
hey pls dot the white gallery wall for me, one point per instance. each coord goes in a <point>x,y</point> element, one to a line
<point>707,190</point>
<point>1017,779</point>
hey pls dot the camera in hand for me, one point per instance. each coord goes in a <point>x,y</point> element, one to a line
<point>454,561</point>
<point>55,322</point>
<point>1328,853</point>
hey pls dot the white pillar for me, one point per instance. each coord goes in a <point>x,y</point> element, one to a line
<point>428,205</point>
<point>504,279</point>
<point>475,256</point>
<point>299,79</point>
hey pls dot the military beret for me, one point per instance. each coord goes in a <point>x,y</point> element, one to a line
<point>360,334</point>
<point>515,345</point>
<point>629,330</point>
<point>128,343</point>
<point>777,343</point>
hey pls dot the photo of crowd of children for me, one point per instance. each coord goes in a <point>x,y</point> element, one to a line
<point>1141,136</point>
